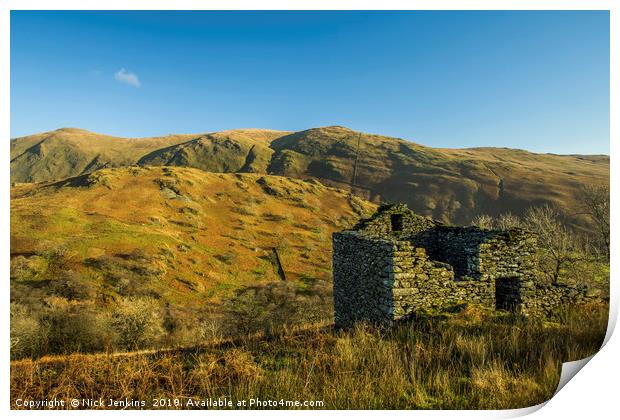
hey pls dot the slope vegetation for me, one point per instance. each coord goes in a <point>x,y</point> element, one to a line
<point>448,184</point>
<point>187,238</point>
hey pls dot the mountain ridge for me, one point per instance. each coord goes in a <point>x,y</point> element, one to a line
<point>285,132</point>
<point>452,185</point>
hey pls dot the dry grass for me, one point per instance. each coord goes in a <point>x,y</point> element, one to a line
<point>475,359</point>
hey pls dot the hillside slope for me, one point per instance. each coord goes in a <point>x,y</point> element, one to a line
<point>227,151</point>
<point>452,185</point>
<point>447,184</point>
<point>183,236</point>
<point>70,152</point>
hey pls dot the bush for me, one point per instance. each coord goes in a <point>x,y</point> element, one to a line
<point>272,217</point>
<point>70,326</point>
<point>276,307</point>
<point>244,210</point>
<point>70,285</point>
<point>26,333</point>
<point>57,326</point>
<point>28,268</point>
<point>137,322</point>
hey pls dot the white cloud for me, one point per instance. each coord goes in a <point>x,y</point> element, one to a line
<point>124,76</point>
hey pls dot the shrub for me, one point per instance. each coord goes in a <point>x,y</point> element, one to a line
<point>137,322</point>
<point>69,326</point>
<point>26,333</point>
<point>244,210</point>
<point>227,258</point>
<point>27,268</point>
<point>483,221</point>
<point>71,286</point>
<point>276,307</point>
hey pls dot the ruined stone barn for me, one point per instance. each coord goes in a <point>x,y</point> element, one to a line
<point>397,263</point>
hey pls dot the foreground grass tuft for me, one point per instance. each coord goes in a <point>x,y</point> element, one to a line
<point>471,360</point>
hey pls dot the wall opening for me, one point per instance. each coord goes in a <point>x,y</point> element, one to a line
<point>396,221</point>
<point>508,294</point>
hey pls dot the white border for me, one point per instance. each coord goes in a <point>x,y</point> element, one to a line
<point>593,394</point>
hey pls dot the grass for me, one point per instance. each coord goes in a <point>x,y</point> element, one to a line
<point>470,360</point>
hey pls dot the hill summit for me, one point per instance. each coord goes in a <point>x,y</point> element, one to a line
<point>452,185</point>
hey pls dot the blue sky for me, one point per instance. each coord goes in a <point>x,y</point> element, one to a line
<point>531,80</point>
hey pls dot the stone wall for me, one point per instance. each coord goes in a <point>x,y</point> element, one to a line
<point>548,298</point>
<point>397,263</point>
<point>361,289</point>
<point>480,254</point>
<point>381,281</point>
<point>394,221</point>
<point>419,283</point>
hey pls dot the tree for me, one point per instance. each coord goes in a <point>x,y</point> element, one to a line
<point>596,206</point>
<point>558,249</point>
<point>503,221</point>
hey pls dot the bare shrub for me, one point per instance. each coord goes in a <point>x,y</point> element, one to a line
<point>596,206</point>
<point>27,335</point>
<point>137,323</point>
<point>507,221</point>
<point>558,250</point>
<point>276,307</point>
<point>483,221</point>
<point>70,326</point>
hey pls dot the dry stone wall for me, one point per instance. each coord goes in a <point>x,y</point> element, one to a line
<point>548,298</point>
<point>419,284</point>
<point>394,221</point>
<point>398,263</point>
<point>361,288</point>
<point>480,254</point>
<point>382,281</point>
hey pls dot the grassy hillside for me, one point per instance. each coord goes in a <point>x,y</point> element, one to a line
<point>69,152</point>
<point>448,184</point>
<point>217,247</point>
<point>195,244</point>
<point>471,359</point>
<point>227,151</point>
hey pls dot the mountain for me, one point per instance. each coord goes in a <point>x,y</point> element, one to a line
<point>447,184</point>
<point>452,185</point>
<point>70,152</point>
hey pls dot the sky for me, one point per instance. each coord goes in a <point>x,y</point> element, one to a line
<point>534,80</point>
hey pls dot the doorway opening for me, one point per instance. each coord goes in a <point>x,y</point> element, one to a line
<point>508,294</point>
<point>396,220</point>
